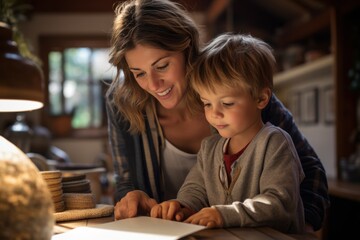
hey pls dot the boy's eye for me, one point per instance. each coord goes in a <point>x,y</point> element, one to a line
<point>228,104</point>
<point>206,104</point>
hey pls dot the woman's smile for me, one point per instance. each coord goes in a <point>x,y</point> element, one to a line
<point>165,92</point>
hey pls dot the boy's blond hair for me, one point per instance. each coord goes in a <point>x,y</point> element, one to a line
<point>235,61</point>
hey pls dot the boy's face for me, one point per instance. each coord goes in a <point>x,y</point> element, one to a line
<point>232,112</point>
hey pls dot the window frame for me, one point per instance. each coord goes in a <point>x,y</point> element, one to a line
<point>48,43</point>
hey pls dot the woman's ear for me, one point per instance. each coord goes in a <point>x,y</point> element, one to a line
<point>264,98</point>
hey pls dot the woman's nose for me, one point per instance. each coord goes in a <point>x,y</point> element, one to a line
<point>154,81</point>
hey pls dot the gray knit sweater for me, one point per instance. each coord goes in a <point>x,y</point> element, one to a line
<point>265,186</point>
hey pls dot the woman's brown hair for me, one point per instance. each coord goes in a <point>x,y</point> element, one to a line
<point>157,23</point>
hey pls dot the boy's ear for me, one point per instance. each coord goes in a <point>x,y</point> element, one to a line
<point>264,98</point>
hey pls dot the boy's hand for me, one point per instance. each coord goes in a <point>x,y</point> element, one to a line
<point>208,217</point>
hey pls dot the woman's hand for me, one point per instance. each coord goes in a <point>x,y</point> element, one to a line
<point>133,204</point>
<point>208,217</point>
<point>170,210</point>
<point>166,210</point>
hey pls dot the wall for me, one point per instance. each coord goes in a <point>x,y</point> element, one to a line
<point>79,150</point>
<point>76,24</point>
<point>292,86</point>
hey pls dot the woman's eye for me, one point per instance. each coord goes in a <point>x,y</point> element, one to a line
<point>139,75</point>
<point>163,67</point>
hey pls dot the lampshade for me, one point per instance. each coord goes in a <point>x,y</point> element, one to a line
<point>26,206</point>
<point>21,80</point>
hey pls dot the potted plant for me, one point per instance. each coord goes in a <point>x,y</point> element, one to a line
<point>11,13</point>
<point>21,77</point>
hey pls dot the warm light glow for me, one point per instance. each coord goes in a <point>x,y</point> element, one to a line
<point>12,105</point>
<point>9,151</point>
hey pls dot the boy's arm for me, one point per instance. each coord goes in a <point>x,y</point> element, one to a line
<point>274,199</point>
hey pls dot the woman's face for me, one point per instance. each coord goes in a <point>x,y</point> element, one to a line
<point>161,73</point>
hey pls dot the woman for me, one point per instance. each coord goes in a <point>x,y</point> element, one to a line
<point>155,122</point>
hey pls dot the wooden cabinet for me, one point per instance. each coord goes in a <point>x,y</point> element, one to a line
<point>335,26</point>
<point>307,90</point>
<point>339,22</point>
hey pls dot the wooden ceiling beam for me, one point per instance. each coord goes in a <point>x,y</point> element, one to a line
<point>217,7</point>
<point>71,6</point>
<point>100,6</point>
<point>293,33</point>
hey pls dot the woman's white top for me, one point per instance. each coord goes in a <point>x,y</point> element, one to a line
<point>176,164</point>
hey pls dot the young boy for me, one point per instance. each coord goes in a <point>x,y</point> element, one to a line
<point>250,174</point>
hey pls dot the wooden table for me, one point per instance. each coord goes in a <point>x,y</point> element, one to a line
<point>261,233</point>
<point>342,220</point>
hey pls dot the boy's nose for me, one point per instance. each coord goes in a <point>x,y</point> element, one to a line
<point>216,112</point>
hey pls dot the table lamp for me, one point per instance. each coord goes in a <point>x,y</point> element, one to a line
<point>21,80</point>
<point>26,207</point>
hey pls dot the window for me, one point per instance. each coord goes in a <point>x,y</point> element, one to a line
<point>77,72</point>
<point>75,84</point>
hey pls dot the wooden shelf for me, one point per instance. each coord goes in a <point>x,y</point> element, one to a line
<point>319,66</point>
<point>291,33</point>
